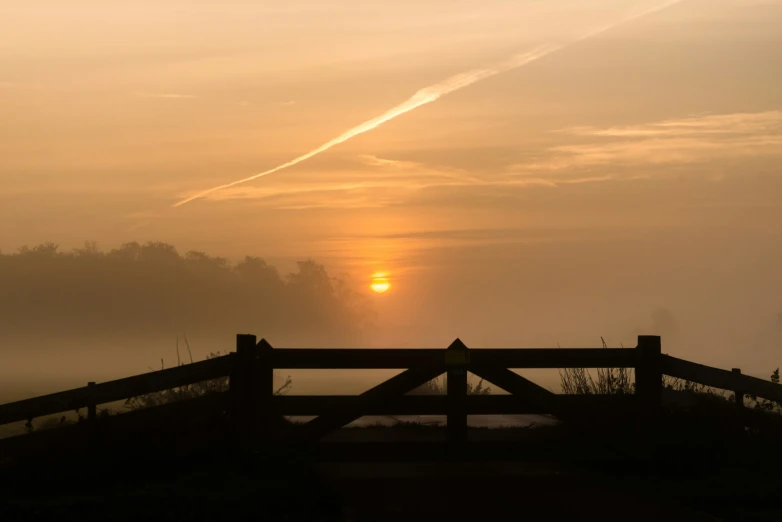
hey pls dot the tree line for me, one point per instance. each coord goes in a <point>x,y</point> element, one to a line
<point>151,288</point>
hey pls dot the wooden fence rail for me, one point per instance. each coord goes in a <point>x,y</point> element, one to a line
<point>250,371</point>
<point>117,390</point>
<point>399,358</point>
<point>722,379</point>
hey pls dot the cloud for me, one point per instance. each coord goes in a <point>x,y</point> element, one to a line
<point>165,96</point>
<point>382,182</point>
<point>467,235</point>
<point>695,139</point>
<point>430,94</point>
<point>336,194</point>
<point>706,124</point>
<point>374,161</point>
<point>420,98</point>
<point>20,86</point>
<point>601,154</point>
<point>420,170</point>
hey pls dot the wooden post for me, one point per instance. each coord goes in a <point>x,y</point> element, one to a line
<point>92,414</point>
<point>648,385</point>
<point>241,385</point>
<point>738,392</point>
<point>738,397</point>
<point>92,407</point>
<point>457,356</point>
<point>264,376</point>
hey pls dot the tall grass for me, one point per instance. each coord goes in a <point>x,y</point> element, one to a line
<point>191,391</point>
<point>608,381</point>
<point>614,381</point>
<point>439,386</point>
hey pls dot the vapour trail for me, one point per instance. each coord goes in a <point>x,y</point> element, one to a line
<point>428,95</point>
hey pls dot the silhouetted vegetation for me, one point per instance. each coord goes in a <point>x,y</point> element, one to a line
<point>610,381</point>
<point>59,421</point>
<point>579,381</point>
<point>140,289</point>
<point>192,391</point>
<point>439,386</point>
<point>765,404</point>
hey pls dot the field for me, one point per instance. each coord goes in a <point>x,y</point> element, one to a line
<point>553,478</point>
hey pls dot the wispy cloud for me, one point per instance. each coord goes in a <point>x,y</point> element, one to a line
<point>365,194</point>
<point>429,95</point>
<point>426,96</point>
<point>165,95</point>
<point>689,140</point>
<point>420,170</point>
<point>20,86</point>
<point>398,182</point>
<point>725,124</point>
<point>374,161</point>
<point>422,97</point>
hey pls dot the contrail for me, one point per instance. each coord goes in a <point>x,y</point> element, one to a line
<point>422,97</point>
<point>427,95</point>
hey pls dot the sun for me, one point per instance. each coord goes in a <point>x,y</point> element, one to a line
<point>380,284</point>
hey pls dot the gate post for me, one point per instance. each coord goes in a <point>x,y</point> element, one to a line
<point>92,417</point>
<point>264,375</point>
<point>92,407</point>
<point>738,394</point>
<point>457,357</point>
<point>241,386</point>
<point>648,386</point>
<point>738,397</point>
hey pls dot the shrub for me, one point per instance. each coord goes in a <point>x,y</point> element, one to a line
<point>765,404</point>
<point>579,381</point>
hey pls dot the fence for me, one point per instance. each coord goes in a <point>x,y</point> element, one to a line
<point>254,406</point>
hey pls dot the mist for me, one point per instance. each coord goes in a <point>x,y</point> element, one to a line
<point>84,312</point>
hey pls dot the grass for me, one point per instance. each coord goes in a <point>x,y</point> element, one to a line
<point>439,386</point>
<point>613,381</point>
<point>191,391</point>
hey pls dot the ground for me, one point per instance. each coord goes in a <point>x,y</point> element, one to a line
<point>240,485</point>
<point>405,473</point>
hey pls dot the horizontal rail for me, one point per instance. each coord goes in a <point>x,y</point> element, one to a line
<point>722,379</point>
<point>313,405</point>
<point>399,358</point>
<point>116,390</point>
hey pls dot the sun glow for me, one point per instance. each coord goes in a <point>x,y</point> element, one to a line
<point>380,283</point>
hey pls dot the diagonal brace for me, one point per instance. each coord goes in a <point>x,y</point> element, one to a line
<point>400,384</point>
<point>521,387</point>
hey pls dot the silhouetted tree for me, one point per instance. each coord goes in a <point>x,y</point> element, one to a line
<point>152,288</point>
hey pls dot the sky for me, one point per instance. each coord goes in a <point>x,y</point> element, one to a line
<point>627,183</point>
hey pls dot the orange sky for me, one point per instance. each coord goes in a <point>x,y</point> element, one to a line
<point>556,202</point>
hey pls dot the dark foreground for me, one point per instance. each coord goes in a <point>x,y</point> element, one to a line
<point>218,484</point>
<point>170,463</point>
